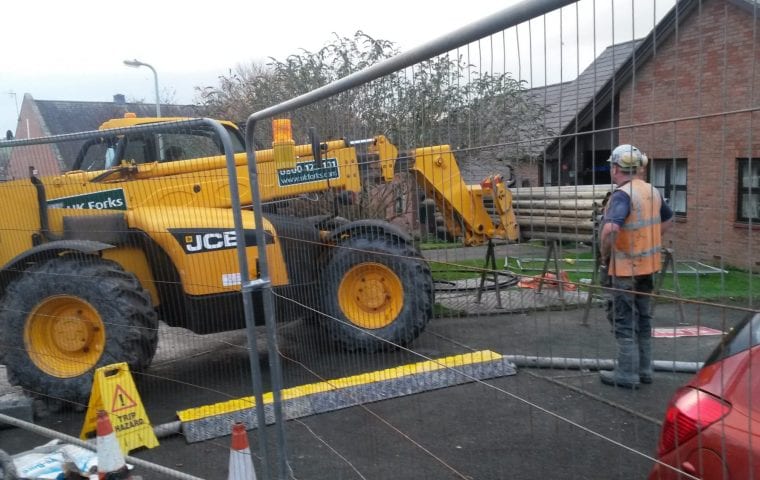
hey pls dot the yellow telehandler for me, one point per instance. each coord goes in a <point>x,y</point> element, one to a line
<point>142,228</point>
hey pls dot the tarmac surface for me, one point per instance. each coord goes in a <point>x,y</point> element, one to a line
<point>541,423</point>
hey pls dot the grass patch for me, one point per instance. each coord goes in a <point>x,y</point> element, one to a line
<point>461,270</point>
<point>438,245</point>
<point>734,285</point>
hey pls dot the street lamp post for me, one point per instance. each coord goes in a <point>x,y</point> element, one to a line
<point>136,64</point>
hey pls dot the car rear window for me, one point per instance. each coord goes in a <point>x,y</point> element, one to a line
<point>740,338</point>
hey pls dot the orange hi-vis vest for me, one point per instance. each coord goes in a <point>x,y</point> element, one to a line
<point>637,248</point>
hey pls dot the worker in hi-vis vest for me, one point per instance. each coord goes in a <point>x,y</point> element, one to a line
<point>631,241</point>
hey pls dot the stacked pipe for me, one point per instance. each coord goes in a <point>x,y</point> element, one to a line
<point>563,213</point>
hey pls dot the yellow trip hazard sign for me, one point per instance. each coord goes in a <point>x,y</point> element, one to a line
<point>114,391</point>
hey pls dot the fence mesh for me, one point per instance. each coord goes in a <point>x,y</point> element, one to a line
<point>432,251</point>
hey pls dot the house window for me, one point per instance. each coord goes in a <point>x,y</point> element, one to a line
<point>551,172</point>
<point>748,201</point>
<point>669,176</point>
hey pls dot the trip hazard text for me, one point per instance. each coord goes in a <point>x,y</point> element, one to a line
<point>127,421</point>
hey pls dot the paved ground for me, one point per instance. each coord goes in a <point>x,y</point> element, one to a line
<point>540,423</point>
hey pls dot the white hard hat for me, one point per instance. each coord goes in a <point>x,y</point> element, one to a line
<point>627,157</point>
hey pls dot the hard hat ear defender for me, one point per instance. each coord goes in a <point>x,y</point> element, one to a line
<point>627,157</point>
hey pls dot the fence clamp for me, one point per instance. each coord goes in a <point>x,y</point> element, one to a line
<point>256,285</point>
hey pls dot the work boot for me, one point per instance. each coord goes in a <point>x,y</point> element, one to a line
<point>613,377</point>
<point>626,373</point>
<point>645,360</point>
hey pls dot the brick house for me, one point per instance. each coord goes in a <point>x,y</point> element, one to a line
<point>685,96</point>
<point>581,112</point>
<point>689,106</point>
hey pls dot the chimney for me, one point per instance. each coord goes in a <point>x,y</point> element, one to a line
<point>119,99</point>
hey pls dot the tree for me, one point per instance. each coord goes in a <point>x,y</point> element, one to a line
<point>440,100</point>
<point>257,86</point>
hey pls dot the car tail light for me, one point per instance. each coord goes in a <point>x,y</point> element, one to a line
<point>689,412</point>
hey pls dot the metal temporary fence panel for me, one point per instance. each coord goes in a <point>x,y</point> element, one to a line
<point>402,335</point>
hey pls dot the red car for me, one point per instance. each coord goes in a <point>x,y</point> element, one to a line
<point>712,424</point>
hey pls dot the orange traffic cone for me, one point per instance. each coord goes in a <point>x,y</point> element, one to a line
<point>241,464</point>
<point>111,464</point>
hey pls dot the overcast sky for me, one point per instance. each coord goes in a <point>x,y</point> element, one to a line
<point>74,50</point>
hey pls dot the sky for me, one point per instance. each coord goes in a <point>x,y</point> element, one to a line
<point>74,50</point>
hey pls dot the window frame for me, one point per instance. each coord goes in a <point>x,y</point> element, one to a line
<point>741,190</point>
<point>669,189</point>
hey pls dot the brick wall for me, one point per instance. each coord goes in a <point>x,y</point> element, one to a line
<point>686,102</point>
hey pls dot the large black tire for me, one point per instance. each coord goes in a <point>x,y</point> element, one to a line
<point>377,293</point>
<point>66,317</point>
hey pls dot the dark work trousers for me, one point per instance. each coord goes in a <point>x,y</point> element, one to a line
<point>633,320</point>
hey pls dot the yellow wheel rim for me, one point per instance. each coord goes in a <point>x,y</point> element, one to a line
<point>64,336</point>
<point>371,295</point>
